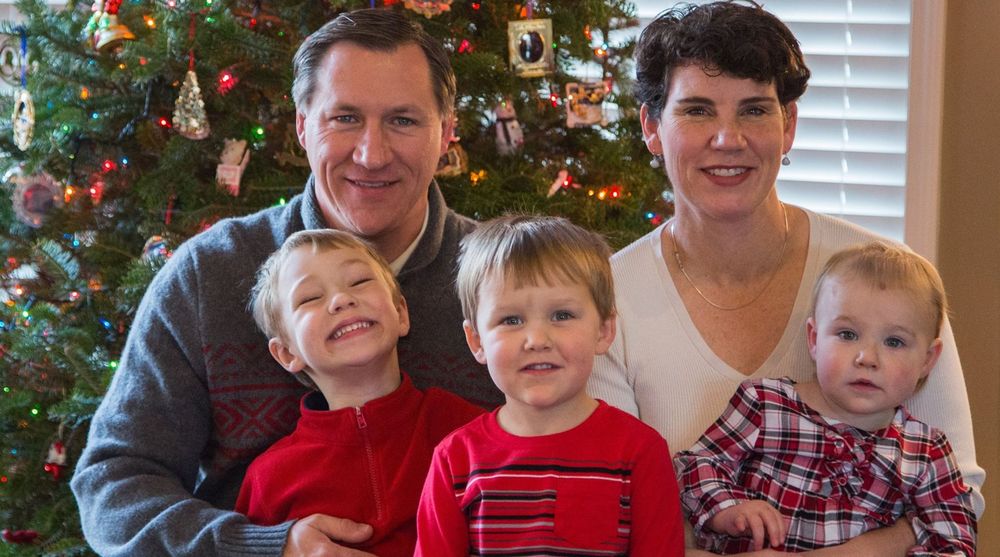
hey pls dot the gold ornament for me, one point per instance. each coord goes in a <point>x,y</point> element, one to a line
<point>23,119</point>
<point>111,34</point>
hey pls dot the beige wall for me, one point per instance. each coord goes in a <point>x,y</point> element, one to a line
<point>969,255</point>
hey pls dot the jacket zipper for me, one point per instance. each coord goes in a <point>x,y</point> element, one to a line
<point>370,454</point>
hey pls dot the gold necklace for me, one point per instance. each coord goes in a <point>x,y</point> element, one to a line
<point>680,265</point>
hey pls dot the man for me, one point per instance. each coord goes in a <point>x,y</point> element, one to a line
<point>197,395</point>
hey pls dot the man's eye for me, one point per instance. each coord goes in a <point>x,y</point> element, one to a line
<point>404,121</point>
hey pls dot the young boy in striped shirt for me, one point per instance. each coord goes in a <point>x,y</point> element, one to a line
<point>553,471</point>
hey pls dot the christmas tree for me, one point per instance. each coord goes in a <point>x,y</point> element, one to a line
<point>139,124</point>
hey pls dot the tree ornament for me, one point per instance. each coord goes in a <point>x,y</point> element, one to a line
<point>428,8</point>
<point>23,118</point>
<point>509,135</point>
<point>235,157</point>
<point>454,162</point>
<point>55,462</point>
<point>189,110</point>
<point>19,536</point>
<point>155,250</point>
<point>34,196</point>
<point>585,104</point>
<point>109,33</point>
<point>530,45</point>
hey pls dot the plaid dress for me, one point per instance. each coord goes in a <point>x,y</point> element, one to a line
<point>830,480</point>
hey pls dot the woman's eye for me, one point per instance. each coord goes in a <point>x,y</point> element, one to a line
<point>361,281</point>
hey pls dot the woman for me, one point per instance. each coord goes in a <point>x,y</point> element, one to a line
<point>720,293</point>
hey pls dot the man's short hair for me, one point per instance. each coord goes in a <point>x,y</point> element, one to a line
<point>377,30</point>
<point>529,250</point>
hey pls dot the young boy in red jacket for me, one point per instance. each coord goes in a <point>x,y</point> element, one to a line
<point>333,312</point>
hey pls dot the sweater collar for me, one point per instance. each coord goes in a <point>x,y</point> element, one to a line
<point>428,246</point>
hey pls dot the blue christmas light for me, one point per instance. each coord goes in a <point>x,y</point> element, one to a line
<point>105,323</point>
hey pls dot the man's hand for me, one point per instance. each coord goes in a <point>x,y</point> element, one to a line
<point>317,534</point>
<point>754,518</point>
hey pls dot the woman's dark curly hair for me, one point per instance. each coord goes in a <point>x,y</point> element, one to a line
<point>743,41</point>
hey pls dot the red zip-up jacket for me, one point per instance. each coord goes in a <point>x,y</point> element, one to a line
<point>367,464</point>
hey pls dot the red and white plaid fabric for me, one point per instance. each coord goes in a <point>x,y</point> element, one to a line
<point>830,480</point>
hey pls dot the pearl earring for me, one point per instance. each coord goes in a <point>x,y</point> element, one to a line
<point>785,161</point>
<point>656,161</point>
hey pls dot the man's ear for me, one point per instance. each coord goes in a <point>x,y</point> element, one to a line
<point>288,360</point>
<point>474,342</point>
<point>447,132</point>
<point>300,128</point>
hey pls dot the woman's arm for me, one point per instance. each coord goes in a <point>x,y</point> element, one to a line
<point>610,380</point>
<point>943,403</point>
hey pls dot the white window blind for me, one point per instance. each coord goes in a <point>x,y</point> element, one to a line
<point>849,157</point>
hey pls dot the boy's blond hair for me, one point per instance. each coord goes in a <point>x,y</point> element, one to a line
<point>529,250</point>
<point>885,266</point>
<point>265,298</point>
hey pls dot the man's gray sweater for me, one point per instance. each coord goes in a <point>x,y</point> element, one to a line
<point>197,395</point>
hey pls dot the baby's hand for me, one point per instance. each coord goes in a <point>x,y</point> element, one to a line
<point>754,518</point>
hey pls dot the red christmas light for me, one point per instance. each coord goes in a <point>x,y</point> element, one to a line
<point>108,165</point>
<point>164,122</point>
<point>225,82</point>
<point>476,6</point>
<point>466,46</point>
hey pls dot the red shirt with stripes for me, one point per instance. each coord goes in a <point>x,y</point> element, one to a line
<point>605,487</point>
